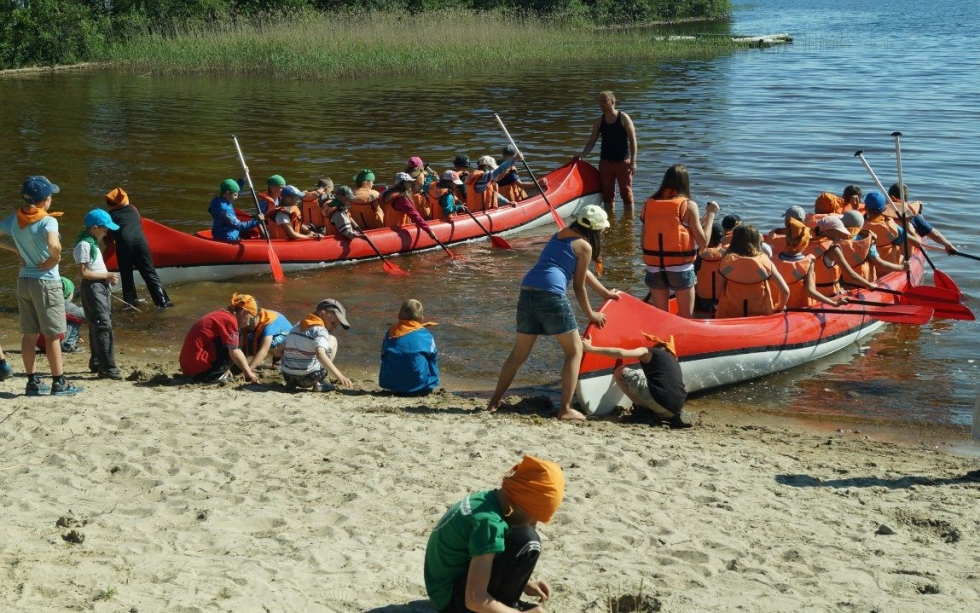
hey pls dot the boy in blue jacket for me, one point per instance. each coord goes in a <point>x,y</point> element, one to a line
<point>409,358</point>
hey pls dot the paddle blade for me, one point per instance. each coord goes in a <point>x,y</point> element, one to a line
<point>924,293</point>
<point>499,242</point>
<point>914,315</point>
<point>945,310</point>
<point>393,269</point>
<point>943,281</point>
<point>277,274</point>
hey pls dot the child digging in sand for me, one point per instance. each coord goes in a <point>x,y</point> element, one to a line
<point>656,383</point>
<point>481,554</point>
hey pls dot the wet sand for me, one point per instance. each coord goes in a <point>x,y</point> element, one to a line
<point>156,495</point>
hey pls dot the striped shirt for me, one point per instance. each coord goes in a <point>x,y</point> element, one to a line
<point>300,347</point>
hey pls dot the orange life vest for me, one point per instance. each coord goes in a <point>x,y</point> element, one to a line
<point>708,281</point>
<point>421,203</point>
<point>826,277</point>
<point>747,291</point>
<point>776,242</point>
<point>856,252</point>
<point>265,318</point>
<point>312,212</point>
<point>295,221</point>
<point>480,202</point>
<point>915,208</point>
<point>666,240</point>
<point>434,193</point>
<point>794,273</point>
<point>393,217</point>
<point>270,204</point>
<point>886,232</point>
<point>366,210</point>
<point>513,191</point>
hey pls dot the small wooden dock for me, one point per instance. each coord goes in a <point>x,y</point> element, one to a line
<point>760,41</point>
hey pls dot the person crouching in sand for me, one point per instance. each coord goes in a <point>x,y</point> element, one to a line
<point>655,383</point>
<point>481,554</point>
<point>212,345</point>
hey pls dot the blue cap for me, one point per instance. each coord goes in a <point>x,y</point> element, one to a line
<point>98,217</point>
<point>874,202</point>
<point>292,190</point>
<point>38,189</point>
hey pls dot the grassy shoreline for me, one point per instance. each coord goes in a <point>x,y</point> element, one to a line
<point>318,46</point>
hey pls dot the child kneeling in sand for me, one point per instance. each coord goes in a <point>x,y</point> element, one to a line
<point>656,383</point>
<point>310,349</point>
<point>481,554</point>
<point>409,358</point>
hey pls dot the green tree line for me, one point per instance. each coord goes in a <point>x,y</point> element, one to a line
<point>49,32</point>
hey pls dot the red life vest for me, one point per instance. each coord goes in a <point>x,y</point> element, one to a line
<point>666,240</point>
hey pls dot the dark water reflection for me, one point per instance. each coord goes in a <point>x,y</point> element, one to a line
<point>759,130</point>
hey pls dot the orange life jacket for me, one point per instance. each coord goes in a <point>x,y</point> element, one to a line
<point>295,221</point>
<point>265,318</point>
<point>270,204</point>
<point>421,203</point>
<point>794,273</point>
<point>856,252</point>
<point>708,281</point>
<point>513,191</point>
<point>666,240</point>
<point>480,202</point>
<point>434,193</point>
<point>915,208</point>
<point>826,277</point>
<point>747,291</point>
<point>366,210</point>
<point>393,217</point>
<point>776,242</point>
<point>312,212</point>
<point>886,232</point>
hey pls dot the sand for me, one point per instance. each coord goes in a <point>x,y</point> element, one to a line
<point>151,495</point>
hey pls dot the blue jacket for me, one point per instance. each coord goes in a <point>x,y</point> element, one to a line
<point>226,226</point>
<point>409,363</point>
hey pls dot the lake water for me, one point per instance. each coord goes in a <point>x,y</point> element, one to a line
<point>760,130</point>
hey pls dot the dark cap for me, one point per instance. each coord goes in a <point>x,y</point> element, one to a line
<point>462,161</point>
<point>730,221</point>
<point>509,150</point>
<point>37,189</point>
<point>329,304</point>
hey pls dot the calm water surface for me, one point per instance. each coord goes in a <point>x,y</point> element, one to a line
<point>759,130</point>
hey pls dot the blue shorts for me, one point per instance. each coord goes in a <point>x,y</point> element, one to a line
<point>667,279</point>
<point>544,313</point>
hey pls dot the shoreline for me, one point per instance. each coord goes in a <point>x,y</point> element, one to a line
<point>160,496</point>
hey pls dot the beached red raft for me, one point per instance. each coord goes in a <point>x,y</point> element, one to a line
<point>718,352</point>
<point>181,257</point>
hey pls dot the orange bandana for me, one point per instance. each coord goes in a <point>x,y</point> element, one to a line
<point>309,321</point>
<point>407,326</point>
<point>26,219</point>
<point>659,342</point>
<point>797,236</point>
<point>536,486</point>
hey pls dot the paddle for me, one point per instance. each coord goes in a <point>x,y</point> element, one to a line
<point>923,293</point>
<point>940,278</point>
<point>274,263</point>
<point>558,220</point>
<point>389,267</point>
<point>444,247</point>
<point>967,255</point>
<point>916,315</point>
<point>942,310</point>
<point>496,241</point>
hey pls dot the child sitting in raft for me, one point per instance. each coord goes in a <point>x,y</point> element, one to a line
<point>797,268</point>
<point>831,266</point>
<point>747,278</point>
<point>338,212</point>
<point>482,553</point>
<point>852,197</point>
<point>706,291</point>
<point>922,227</point>
<point>860,252</point>
<point>655,383</point>
<point>409,358</point>
<point>889,236</point>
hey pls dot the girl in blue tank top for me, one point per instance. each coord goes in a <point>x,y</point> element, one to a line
<point>543,307</point>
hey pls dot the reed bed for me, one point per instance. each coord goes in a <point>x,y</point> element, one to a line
<point>313,46</point>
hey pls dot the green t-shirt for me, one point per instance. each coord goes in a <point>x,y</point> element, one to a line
<point>472,527</point>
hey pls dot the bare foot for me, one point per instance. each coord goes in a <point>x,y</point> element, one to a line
<point>570,415</point>
<point>492,408</point>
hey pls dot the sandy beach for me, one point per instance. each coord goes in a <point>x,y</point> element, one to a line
<point>152,495</point>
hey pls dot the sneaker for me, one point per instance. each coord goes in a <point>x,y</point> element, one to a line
<point>71,349</point>
<point>323,387</point>
<point>166,305</point>
<point>226,378</point>
<point>5,370</point>
<point>64,388</point>
<point>35,387</point>
<point>112,373</point>
<point>684,419</point>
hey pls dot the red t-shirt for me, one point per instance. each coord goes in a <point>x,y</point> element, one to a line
<point>200,349</point>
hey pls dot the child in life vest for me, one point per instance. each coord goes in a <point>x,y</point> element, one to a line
<point>656,383</point>
<point>482,553</point>
<point>707,290</point>
<point>748,278</point>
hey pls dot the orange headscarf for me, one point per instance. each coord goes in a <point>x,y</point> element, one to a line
<point>407,326</point>
<point>246,303</point>
<point>797,236</point>
<point>117,197</point>
<point>309,321</point>
<point>25,219</point>
<point>536,486</point>
<point>659,342</point>
<point>828,203</point>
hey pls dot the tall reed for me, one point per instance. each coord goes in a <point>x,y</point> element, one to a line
<point>314,46</point>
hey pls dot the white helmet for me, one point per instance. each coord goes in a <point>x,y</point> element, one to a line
<point>592,217</point>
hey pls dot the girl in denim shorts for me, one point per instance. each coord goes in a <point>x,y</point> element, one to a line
<point>543,307</point>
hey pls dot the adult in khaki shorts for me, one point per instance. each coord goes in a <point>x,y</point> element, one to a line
<point>39,292</point>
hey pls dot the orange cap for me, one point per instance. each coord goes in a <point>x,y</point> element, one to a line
<point>117,197</point>
<point>797,235</point>
<point>659,342</point>
<point>828,203</point>
<point>536,486</point>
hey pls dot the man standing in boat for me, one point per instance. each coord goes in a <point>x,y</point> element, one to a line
<point>617,153</point>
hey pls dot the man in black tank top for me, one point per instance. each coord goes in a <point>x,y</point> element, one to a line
<point>617,153</point>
